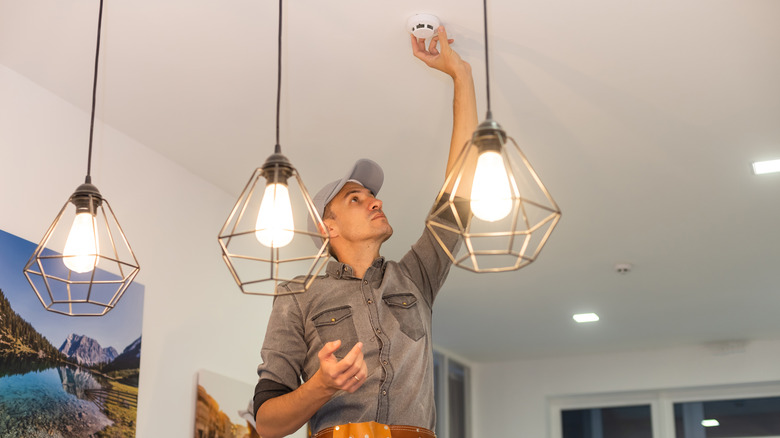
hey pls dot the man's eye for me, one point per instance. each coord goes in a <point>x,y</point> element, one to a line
<point>354,199</point>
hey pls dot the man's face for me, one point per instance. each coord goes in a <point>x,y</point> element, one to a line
<point>356,215</point>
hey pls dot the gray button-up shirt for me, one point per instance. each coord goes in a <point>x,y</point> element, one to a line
<point>389,311</point>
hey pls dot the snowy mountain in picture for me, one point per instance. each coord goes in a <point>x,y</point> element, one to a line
<point>87,351</point>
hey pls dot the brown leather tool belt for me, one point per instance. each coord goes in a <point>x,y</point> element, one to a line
<point>374,430</point>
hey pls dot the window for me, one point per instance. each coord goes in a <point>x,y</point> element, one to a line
<point>733,411</point>
<point>452,395</point>
<point>616,422</point>
<point>752,417</point>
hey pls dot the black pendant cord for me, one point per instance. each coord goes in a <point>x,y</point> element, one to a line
<point>487,66</point>
<point>88,179</point>
<point>278,148</point>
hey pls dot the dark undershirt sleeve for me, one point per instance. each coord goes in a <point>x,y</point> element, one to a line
<point>266,390</point>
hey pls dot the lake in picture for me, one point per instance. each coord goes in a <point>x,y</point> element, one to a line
<point>60,401</point>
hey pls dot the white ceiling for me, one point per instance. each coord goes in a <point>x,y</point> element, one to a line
<point>642,119</point>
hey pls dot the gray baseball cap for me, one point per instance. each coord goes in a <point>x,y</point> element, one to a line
<point>365,172</point>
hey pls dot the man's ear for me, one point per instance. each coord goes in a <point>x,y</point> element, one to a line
<point>331,226</point>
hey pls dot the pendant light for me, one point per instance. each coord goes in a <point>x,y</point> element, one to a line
<point>96,264</point>
<point>262,242</point>
<point>511,212</point>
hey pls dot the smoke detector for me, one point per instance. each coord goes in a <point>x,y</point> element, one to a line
<point>423,25</point>
<point>623,268</point>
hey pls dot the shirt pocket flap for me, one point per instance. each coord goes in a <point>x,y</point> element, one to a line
<point>332,316</point>
<point>400,300</point>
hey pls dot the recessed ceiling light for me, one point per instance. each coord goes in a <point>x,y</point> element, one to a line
<point>586,317</point>
<point>762,167</point>
<point>710,423</point>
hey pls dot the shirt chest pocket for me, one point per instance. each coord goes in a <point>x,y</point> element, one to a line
<point>337,324</point>
<point>405,311</point>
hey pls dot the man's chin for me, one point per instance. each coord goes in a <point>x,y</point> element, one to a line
<point>388,234</point>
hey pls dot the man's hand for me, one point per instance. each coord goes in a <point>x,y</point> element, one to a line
<point>347,374</point>
<point>283,415</point>
<point>444,59</point>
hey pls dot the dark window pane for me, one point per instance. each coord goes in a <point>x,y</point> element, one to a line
<point>754,417</point>
<point>437,390</point>
<point>619,422</point>
<point>456,386</point>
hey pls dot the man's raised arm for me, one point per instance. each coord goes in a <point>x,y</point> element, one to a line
<point>464,105</point>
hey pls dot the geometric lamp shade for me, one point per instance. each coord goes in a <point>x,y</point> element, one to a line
<point>257,260</point>
<point>84,264</point>
<point>504,226</point>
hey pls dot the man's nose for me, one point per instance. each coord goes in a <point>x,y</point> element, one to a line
<point>376,204</point>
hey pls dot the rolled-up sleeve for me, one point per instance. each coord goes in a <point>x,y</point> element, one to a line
<point>283,353</point>
<point>427,264</point>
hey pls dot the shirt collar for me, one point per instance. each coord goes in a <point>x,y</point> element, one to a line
<point>339,270</point>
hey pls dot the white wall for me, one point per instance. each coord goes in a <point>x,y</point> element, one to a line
<point>195,317</point>
<point>511,398</point>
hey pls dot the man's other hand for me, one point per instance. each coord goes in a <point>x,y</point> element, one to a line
<point>347,374</point>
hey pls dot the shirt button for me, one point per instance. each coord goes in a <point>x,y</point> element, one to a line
<point>365,281</point>
<point>384,362</point>
<point>378,331</point>
<point>370,301</point>
<point>384,392</point>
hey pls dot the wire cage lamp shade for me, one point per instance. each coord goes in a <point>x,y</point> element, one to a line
<point>84,269</point>
<point>96,264</point>
<point>511,214</point>
<point>262,248</point>
<point>263,243</point>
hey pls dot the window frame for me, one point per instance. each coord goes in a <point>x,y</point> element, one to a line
<point>441,393</point>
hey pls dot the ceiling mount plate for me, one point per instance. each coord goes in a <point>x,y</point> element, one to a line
<point>423,25</point>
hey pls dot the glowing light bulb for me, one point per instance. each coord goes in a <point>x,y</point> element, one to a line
<point>275,227</point>
<point>491,196</point>
<point>81,247</point>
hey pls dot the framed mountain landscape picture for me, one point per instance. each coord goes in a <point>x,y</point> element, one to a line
<point>59,375</point>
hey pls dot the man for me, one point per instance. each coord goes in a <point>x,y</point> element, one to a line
<point>359,339</point>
